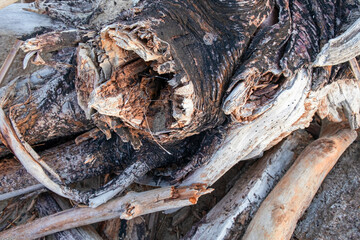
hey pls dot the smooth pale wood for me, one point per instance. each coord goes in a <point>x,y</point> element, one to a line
<point>130,206</point>
<point>250,190</point>
<point>342,48</point>
<point>5,3</point>
<point>277,216</point>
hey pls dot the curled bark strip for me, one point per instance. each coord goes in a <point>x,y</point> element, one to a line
<point>340,49</point>
<point>278,214</point>
<point>130,206</point>
<point>29,163</point>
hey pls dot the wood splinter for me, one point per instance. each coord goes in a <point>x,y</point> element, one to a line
<point>280,211</point>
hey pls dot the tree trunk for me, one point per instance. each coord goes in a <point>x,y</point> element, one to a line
<point>190,87</point>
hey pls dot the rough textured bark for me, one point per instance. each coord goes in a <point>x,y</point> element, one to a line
<point>156,76</point>
<point>177,77</point>
<point>72,162</point>
<point>43,106</point>
<point>46,205</point>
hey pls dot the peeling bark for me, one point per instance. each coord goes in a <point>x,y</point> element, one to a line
<point>163,81</point>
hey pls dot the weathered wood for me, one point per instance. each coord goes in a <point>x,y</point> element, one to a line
<point>43,106</point>
<point>148,157</point>
<point>9,59</point>
<point>177,77</point>
<point>278,214</point>
<point>31,161</point>
<point>164,75</point>
<point>130,206</point>
<point>292,109</point>
<point>110,229</point>
<point>5,3</point>
<point>339,102</point>
<point>355,68</point>
<point>46,205</point>
<point>84,12</point>
<point>71,162</point>
<point>229,217</point>
<point>342,48</point>
<point>136,229</point>
<point>287,113</point>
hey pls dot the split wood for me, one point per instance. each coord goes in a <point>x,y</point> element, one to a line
<point>228,218</point>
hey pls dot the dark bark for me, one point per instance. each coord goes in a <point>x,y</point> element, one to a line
<point>163,78</point>
<point>179,80</point>
<point>72,162</point>
<point>46,205</point>
<point>43,106</point>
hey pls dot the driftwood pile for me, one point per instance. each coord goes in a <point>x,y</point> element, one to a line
<point>169,96</point>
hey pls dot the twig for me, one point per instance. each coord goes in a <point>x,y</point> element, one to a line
<point>130,206</point>
<point>147,123</point>
<point>355,68</point>
<point>10,58</point>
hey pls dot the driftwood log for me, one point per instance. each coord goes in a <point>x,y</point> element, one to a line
<point>154,87</point>
<point>278,214</point>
